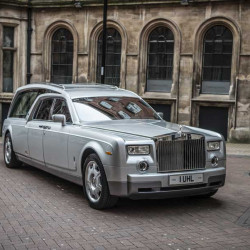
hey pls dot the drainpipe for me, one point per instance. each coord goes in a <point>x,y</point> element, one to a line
<point>29,33</point>
<point>236,103</point>
<point>104,41</point>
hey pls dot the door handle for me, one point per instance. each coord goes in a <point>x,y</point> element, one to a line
<point>44,127</point>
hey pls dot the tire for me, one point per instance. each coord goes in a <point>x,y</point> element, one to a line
<point>208,195</point>
<point>10,158</point>
<point>95,185</point>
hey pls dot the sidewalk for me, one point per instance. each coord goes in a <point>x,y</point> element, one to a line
<point>237,149</point>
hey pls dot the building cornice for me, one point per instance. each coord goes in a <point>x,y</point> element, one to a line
<point>83,3</point>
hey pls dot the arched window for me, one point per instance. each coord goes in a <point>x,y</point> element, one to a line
<point>160,60</point>
<point>217,60</point>
<point>62,56</point>
<point>113,57</point>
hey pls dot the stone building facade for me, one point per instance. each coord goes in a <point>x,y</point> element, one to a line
<point>189,59</point>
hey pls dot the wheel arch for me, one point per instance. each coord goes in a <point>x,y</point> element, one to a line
<point>5,132</point>
<point>97,148</point>
<point>85,154</point>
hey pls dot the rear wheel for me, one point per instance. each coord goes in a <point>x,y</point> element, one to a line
<point>9,155</point>
<point>95,185</point>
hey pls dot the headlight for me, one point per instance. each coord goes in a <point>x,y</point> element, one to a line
<point>138,150</point>
<point>213,146</point>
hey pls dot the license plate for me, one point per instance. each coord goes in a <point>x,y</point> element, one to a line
<point>185,179</point>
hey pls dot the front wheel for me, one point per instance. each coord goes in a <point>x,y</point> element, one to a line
<point>9,155</point>
<point>95,185</point>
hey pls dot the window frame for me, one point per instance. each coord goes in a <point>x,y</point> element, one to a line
<point>99,58</point>
<point>59,52</point>
<point>39,103</point>
<point>53,105</point>
<point>46,91</point>
<point>203,54</point>
<point>168,82</point>
<point>36,111</point>
<point>12,49</point>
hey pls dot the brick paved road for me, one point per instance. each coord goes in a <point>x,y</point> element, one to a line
<point>39,211</point>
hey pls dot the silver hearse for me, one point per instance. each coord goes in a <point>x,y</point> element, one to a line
<point>110,141</point>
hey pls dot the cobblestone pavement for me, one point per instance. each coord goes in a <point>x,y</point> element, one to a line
<point>40,211</point>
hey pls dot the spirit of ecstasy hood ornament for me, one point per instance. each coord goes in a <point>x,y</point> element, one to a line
<point>180,133</point>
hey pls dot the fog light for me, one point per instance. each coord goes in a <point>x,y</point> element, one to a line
<point>143,166</point>
<point>215,161</point>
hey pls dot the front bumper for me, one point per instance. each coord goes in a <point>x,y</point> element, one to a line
<point>155,186</point>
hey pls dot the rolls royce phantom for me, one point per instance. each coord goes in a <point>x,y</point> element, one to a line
<point>110,141</point>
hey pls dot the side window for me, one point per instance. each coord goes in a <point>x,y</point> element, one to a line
<point>43,111</point>
<point>23,103</point>
<point>61,108</point>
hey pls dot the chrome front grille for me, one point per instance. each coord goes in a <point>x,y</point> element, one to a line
<point>181,154</point>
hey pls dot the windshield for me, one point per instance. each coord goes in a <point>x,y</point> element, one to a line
<point>113,108</point>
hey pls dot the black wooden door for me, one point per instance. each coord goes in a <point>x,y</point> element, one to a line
<point>5,110</point>
<point>165,109</point>
<point>215,119</point>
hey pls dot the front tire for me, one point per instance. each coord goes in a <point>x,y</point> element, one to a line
<point>10,158</point>
<point>95,185</point>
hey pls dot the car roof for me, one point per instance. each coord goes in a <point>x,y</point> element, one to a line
<point>81,90</point>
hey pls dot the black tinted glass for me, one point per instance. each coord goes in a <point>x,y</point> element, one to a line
<point>23,103</point>
<point>61,108</point>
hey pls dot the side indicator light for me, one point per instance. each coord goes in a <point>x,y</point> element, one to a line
<point>108,153</point>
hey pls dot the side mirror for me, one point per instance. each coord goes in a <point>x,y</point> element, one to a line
<point>59,118</point>
<point>160,114</point>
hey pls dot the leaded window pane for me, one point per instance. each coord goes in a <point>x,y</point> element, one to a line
<point>8,72</point>
<point>113,57</point>
<point>160,60</point>
<point>217,60</point>
<point>8,36</point>
<point>62,57</point>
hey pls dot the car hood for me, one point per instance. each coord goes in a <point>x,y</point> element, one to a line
<point>146,128</point>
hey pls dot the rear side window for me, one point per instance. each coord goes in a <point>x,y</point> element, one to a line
<point>23,103</point>
<point>43,111</point>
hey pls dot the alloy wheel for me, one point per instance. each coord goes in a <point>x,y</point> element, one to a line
<point>93,181</point>
<point>8,150</point>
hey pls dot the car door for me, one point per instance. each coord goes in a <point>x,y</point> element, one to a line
<point>55,140</point>
<point>36,129</point>
<point>19,110</point>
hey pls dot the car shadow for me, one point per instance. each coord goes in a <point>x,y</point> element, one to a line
<point>125,205</point>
